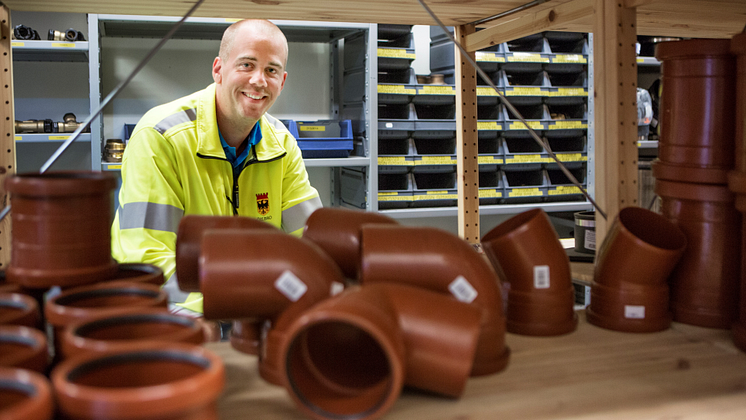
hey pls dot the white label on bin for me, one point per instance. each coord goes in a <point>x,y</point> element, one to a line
<point>590,239</point>
<point>541,276</point>
<point>634,312</point>
<point>389,125</point>
<point>290,286</point>
<point>462,290</point>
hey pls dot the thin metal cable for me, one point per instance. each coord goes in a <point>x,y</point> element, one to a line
<point>63,147</point>
<point>510,106</point>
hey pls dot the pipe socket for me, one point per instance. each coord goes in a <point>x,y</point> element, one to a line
<point>349,356</point>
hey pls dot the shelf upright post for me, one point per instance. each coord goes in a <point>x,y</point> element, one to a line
<point>467,150</point>
<point>8,149</point>
<point>94,89</point>
<point>614,38</point>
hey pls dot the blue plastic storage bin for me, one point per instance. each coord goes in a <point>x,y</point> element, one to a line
<point>323,147</point>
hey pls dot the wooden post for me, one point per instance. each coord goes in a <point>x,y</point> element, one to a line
<point>7,138</point>
<point>467,149</point>
<point>614,38</point>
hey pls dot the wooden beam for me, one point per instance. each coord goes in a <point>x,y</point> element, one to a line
<point>614,39</point>
<point>531,21</point>
<point>7,129</point>
<point>467,148</point>
<point>692,18</point>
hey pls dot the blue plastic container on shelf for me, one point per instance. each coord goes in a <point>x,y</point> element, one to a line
<point>322,138</point>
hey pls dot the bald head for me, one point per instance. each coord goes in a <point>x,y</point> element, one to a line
<point>257,27</point>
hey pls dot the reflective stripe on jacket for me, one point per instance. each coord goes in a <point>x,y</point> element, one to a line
<point>174,165</point>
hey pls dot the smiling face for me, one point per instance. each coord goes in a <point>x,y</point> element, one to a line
<point>249,74</point>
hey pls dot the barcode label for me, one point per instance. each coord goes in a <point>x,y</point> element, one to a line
<point>462,290</point>
<point>634,312</point>
<point>590,239</point>
<point>541,276</point>
<point>290,286</point>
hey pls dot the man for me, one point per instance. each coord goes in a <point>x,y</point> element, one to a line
<point>214,152</point>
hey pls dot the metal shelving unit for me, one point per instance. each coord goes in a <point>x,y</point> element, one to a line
<point>60,51</point>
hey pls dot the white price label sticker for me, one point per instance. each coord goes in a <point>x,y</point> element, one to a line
<point>634,312</point>
<point>590,239</point>
<point>291,286</point>
<point>462,290</point>
<point>541,277</point>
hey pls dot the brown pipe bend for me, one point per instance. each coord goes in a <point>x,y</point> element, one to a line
<point>349,356</point>
<point>435,259</point>
<point>337,231</point>
<point>251,275</point>
<point>189,239</point>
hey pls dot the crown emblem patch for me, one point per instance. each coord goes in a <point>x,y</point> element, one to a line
<point>262,203</point>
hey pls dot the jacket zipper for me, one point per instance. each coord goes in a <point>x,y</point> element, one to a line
<point>235,176</point>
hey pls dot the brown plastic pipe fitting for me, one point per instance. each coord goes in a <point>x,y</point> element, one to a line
<point>437,260</point>
<point>171,381</point>
<point>24,348</point>
<point>61,228</point>
<point>31,392</point>
<point>337,231</point>
<point>535,271</point>
<point>257,275</point>
<point>117,332</point>
<point>349,356</point>
<point>19,309</point>
<point>189,243</point>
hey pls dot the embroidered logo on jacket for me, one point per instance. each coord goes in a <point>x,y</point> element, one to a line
<point>262,203</point>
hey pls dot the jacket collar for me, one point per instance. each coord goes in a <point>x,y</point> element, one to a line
<point>208,138</point>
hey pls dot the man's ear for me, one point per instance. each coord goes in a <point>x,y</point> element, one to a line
<point>217,65</point>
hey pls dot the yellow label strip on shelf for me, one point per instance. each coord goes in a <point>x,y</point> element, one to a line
<point>527,57</point>
<point>394,161</point>
<point>564,190</point>
<point>395,53</point>
<point>435,195</point>
<point>486,91</point>
<point>436,160</point>
<point>525,159</point>
<point>490,194</point>
<point>570,157</point>
<point>396,89</point>
<point>526,192</point>
<point>488,160</point>
<point>311,128</point>
<point>112,167</point>
<point>569,58</point>
<point>488,125</point>
<point>558,125</point>
<point>58,137</point>
<point>395,197</point>
<point>18,138</point>
<point>437,90</point>
<point>17,44</point>
<point>525,91</point>
<point>63,44</point>
<point>536,125</point>
<point>489,56</point>
<point>570,92</point>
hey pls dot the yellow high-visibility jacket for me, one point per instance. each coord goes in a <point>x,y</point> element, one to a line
<point>174,165</point>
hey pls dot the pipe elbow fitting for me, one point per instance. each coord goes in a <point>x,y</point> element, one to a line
<point>349,356</point>
<point>437,260</point>
<point>260,274</point>
<point>189,243</point>
<point>337,231</point>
